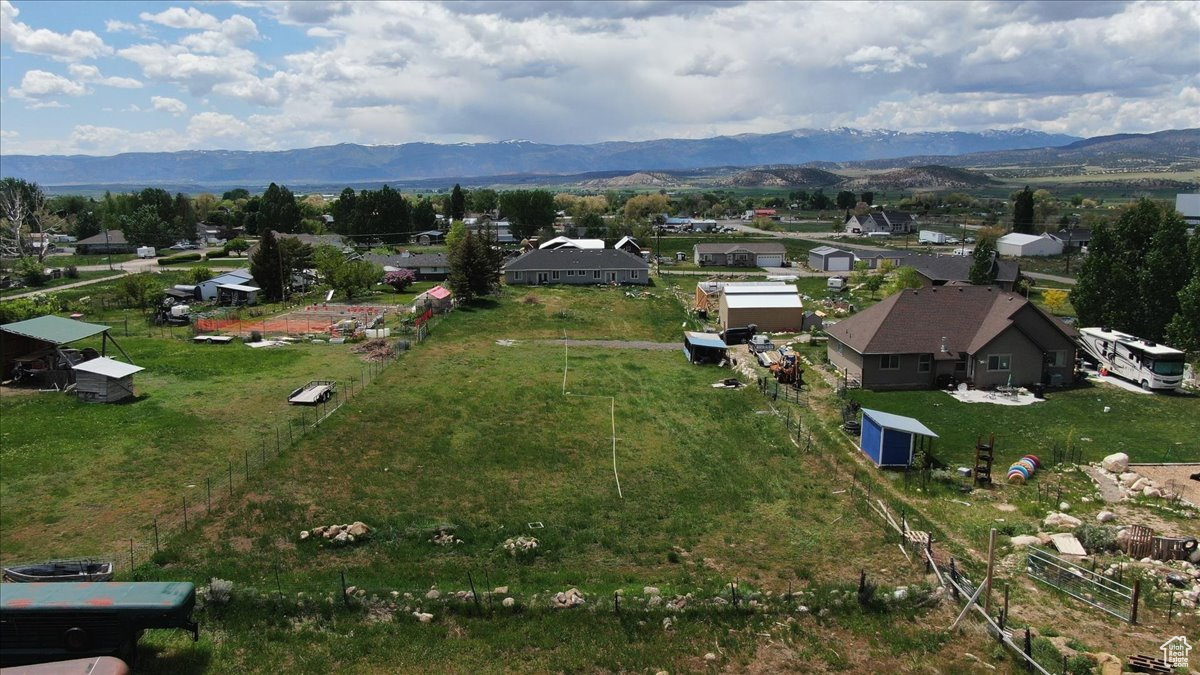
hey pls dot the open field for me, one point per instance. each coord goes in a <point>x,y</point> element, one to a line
<point>50,284</point>
<point>78,260</point>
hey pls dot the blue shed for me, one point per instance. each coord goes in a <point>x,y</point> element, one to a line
<point>890,440</point>
<point>704,347</point>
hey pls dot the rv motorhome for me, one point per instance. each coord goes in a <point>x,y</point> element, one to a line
<point>1151,365</point>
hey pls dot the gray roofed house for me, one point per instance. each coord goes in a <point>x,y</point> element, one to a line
<point>424,265</point>
<point>737,254</point>
<point>1074,237</point>
<point>112,241</point>
<point>577,266</point>
<point>830,259</point>
<point>314,240</point>
<point>890,222</point>
<point>939,270</point>
<point>933,337</point>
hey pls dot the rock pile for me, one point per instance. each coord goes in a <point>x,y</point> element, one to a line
<point>1116,468</point>
<point>340,535</point>
<point>445,537</point>
<point>520,546</point>
<point>567,599</point>
<point>1061,521</point>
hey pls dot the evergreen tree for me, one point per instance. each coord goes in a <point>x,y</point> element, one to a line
<point>423,216</point>
<point>458,232</point>
<point>1090,295</point>
<point>1184,330</point>
<point>278,210</point>
<point>1164,273</point>
<point>1023,211</point>
<point>984,270</point>
<point>463,260</point>
<point>267,268</point>
<point>458,203</point>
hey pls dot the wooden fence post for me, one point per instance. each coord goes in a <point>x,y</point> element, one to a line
<point>1028,651</point>
<point>1137,594</point>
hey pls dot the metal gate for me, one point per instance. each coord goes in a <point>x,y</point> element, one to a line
<point>1081,583</point>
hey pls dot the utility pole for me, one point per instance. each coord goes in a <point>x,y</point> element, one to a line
<point>107,248</point>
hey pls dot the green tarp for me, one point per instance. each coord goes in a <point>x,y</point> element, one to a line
<point>54,329</point>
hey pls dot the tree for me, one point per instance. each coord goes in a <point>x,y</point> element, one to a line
<point>266,267</point>
<point>873,283</point>
<point>279,211</point>
<point>458,203</point>
<point>139,290</point>
<point>237,245</point>
<point>464,259</point>
<point>423,216</point>
<point>22,208</point>
<point>458,232</point>
<point>904,278</point>
<point>820,201</point>
<point>640,207</point>
<point>868,197</point>
<point>1023,211</point>
<point>483,201</point>
<point>30,270</point>
<point>1056,299</point>
<point>984,269</point>
<point>528,211</point>
<point>399,279</point>
<point>144,227</point>
<point>236,194</point>
<point>591,225</point>
<point>1164,273</point>
<point>846,199</point>
<point>355,277</point>
<point>200,274</point>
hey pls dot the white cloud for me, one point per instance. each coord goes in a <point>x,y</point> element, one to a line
<point>10,135</point>
<point>41,87</point>
<point>77,45</point>
<point>168,105</point>
<point>115,26</point>
<point>178,17</point>
<point>92,74</point>
<point>873,58</point>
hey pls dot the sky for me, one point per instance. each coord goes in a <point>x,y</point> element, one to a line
<point>101,78</point>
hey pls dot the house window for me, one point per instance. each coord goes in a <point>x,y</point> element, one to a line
<point>924,363</point>
<point>633,274</point>
<point>1058,358</point>
<point>999,362</point>
<point>595,274</point>
<point>554,274</point>
<point>889,362</point>
<point>516,276</point>
<point>960,366</point>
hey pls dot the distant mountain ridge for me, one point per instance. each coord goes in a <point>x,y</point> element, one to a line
<point>349,163</point>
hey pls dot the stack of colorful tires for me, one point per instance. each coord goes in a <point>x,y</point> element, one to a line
<point>1023,469</point>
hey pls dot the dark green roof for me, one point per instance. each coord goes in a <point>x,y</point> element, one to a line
<point>54,329</point>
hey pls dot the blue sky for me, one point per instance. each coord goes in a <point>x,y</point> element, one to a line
<point>106,77</point>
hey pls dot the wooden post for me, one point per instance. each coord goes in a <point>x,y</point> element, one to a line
<point>156,534</point>
<point>1004,614</point>
<point>1137,594</point>
<point>987,599</point>
<point>1028,651</point>
<point>246,457</point>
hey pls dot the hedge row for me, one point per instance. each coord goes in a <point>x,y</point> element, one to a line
<point>181,258</point>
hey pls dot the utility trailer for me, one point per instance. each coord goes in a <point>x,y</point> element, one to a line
<point>313,393</point>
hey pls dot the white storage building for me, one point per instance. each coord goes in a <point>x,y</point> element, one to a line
<point>1029,245</point>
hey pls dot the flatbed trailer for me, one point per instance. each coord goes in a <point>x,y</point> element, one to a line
<point>56,622</point>
<point>313,393</point>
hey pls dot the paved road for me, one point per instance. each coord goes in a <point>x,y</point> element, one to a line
<point>1050,277</point>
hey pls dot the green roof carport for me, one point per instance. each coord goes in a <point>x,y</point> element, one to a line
<point>54,329</point>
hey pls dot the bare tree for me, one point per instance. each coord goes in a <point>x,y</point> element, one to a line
<point>22,209</point>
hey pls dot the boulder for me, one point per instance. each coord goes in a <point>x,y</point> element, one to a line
<point>433,594</point>
<point>423,617</point>
<point>1108,664</point>
<point>1062,521</point>
<point>359,528</point>
<point>1140,483</point>
<point>341,538</point>
<point>1151,491</point>
<point>710,657</point>
<point>1128,477</point>
<point>500,590</point>
<point>1106,516</point>
<point>1122,539</point>
<point>900,593</point>
<point>1023,540</point>
<point>568,599</point>
<point>1064,506</point>
<point>1116,462</point>
<point>508,602</point>
<point>304,534</point>
<point>650,590</point>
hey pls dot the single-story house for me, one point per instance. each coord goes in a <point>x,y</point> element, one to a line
<point>886,222</point>
<point>104,380</point>
<point>577,266</point>
<point>875,259</point>
<point>1188,205</point>
<point>830,259</point>
<point>933,337</point>
<point>1074,238</point>
<point>770,308</point>
<point>892,440</point>
<point>207,290</point>
<point>766,254</point>
<point>430,237</point>
<point>500,228</point>
<point>237,294</point>
<point>423,265</point>
<point>704,347</point>
<point>335,240</point>
<point>112,241</point>
<point>630,245</point>
<point>1029,245</point>
<point>567,242</point>
<point>939,270</point>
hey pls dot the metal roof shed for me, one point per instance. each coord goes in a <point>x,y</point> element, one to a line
<point>104,380</point>
<point>891,440</point>
<point>46,334</point>
<point>703,347</point>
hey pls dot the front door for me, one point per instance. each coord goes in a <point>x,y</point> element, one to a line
<point>543,277</point>
<point>612,277</point>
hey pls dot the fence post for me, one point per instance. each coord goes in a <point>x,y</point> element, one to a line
<point>156,534</point>
<point>345,597</point>
<point>1004,614</point>
<point>1028,651</point>
<point>617,602</point>
<point>1137,594</point>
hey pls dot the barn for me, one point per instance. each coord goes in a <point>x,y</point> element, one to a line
<point>830,259</point>
<point>771,308</point>
<point>892,440</point>
<point>104,380</point>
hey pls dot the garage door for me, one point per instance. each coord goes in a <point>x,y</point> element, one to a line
<point>770,260</point>
<point>838,264</point>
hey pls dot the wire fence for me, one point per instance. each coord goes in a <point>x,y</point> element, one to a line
<point>1086,585</point>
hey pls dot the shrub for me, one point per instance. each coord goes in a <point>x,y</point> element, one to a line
<point>399,279</point>
<point>181,258</point>
<point>220,591</point>
<point>200,274</point>
<point>1097,537</point>
<point>31,271</point>
<point>217,254</point>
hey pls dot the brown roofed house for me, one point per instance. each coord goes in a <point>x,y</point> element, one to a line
<point>934,337</point>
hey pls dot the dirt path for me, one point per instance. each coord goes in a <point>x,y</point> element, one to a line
<point>1109,490</point>
<point>52,289</point>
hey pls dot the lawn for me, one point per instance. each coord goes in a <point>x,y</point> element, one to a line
<point>1149,427</point>
<point>478,438</point>
<point>49,285</point>
<point>80,260</point>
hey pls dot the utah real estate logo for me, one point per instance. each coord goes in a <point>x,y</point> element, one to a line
<point>1175,652</point>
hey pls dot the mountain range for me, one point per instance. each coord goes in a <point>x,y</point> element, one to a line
<point>351,164</point>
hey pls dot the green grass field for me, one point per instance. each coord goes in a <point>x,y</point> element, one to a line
<point>50,285</point>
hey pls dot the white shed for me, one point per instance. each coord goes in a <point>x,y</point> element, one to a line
<point>104,380</point>
<point>1029,245</point>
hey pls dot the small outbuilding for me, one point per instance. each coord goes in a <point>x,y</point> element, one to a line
<point>772,308</point>
<point>104,380</point>
<point>704,347</point>
<point>237,294</point>
<point>1029,245</point>
<point>830,259</point>
<point>892,440</point>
